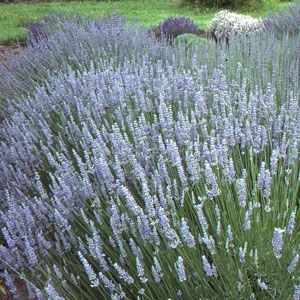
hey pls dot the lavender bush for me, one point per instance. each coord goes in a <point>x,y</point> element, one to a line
<point>284,21</point>
<point>173,27</point>
<point>138,170</point>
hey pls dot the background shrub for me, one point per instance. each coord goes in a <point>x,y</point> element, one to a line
<point>226,24</point>
<point>171,28</point>
<point>43,1</point>
<point>225,3</point>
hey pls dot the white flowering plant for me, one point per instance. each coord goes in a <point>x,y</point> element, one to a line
<point>226,24</point>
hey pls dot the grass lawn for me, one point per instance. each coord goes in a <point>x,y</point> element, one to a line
<point>14,16</point>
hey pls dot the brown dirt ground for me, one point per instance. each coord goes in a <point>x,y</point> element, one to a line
<point>4,50</point>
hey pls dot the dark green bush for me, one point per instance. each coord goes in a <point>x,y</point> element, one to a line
<point>47,1</point>
<point>224,3</point>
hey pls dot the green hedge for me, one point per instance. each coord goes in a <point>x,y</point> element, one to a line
<point>225,3</point>
<point>48,1</point>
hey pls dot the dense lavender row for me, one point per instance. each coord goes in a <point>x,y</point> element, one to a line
<point>132,168</point>
<point>285,21</point>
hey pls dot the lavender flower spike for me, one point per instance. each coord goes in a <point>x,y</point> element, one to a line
<point>180,269</point>
<point>94,281</point>
<point>296,295</point>
<point>209,269</point>
<point>277,241</point>
<point>293,264</point>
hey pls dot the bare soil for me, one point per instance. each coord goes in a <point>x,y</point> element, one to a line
<point>5,50</point>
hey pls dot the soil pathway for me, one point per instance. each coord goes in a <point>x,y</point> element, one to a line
<point>5,50</point>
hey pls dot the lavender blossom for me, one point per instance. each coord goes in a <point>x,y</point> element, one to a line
<point>94,281</point>
<point>156,270</point>
<point>212,188</point>
<point>209,269</point>
<point>262,284</point>
<point>277,241</point>
<point>170,233</point>
<point>108,284</point>
<point>123,274</point>
<point>201,217</point>
<point>293,264</point>
<point>296,295</point>
<point>242,191</point>
<point>229,239</point>
<point>180,269</point>
<point>140,270</point>
<point>186,234</point>
<point>247,221</point>
<point>229,171</point>
<point>52,293</point>
<point>291,224</point>
<point>242,253</point>
<point>209,242</point>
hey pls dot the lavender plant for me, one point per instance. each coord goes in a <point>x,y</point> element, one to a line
<point>140,170</point>
<point>285,21</point>
<point>173,27</point>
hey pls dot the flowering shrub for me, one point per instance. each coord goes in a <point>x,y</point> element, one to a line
<point>226,24</point>
<point>131,169</point>
<point>173,27</point>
